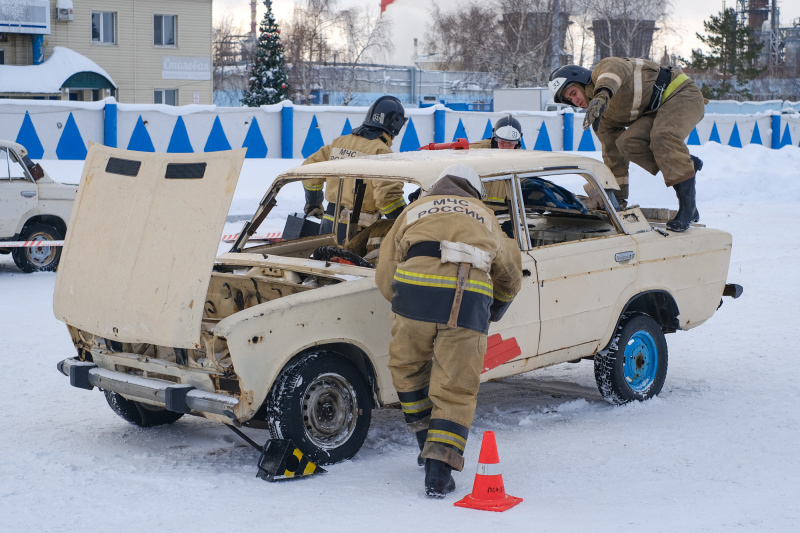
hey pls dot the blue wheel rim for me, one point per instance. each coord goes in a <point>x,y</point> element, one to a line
<point>641,361</point>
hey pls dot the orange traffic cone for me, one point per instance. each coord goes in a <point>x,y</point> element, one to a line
<point>488,493</point>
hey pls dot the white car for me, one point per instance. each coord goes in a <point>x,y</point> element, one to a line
<point>267,336</point>
<point>32,208</point>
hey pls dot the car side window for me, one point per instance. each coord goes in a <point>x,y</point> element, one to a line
<point>557,210</point>
<point>10,167</point>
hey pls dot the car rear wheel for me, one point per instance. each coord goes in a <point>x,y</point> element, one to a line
<point>138,413</point>
<point>38,258</point>
<point>322,403</point>
<point>634,364</point>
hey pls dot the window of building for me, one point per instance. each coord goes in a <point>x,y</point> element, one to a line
<point>164,27</point>
<point>165,96</point>
<point>103,27</point>
<point>2,57</point>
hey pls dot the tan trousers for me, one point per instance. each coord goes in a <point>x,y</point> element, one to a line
<point>448,361</point>
<point>655,141</point>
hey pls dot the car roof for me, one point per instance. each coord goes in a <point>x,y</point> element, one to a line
<point>424,166</point>
<point>15,146</point>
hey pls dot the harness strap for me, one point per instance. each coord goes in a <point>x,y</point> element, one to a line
<point>663,87</point>
<point>425,249</point>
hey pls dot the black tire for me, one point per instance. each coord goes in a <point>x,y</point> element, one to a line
<point>326,253</point>
<point>42,258</point>
<point>633,367</point>
<point>138,413</point>
<point>322,403</point>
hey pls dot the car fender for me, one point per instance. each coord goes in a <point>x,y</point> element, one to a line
<point>262,339</point>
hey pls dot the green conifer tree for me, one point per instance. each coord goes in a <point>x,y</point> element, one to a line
<point>733,55</point>
<point>268,82</point>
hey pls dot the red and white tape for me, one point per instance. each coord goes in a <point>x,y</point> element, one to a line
<point>267,237</point>
<point>30,244</point>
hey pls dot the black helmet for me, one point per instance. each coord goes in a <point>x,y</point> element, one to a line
<point>386,113</point>
<point>562,77</point>
<point>507,129</point>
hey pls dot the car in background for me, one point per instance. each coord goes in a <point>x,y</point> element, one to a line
<point>293,336</point>
<point>33,208</point>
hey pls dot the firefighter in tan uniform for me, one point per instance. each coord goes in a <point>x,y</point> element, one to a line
<point>367,244</point>
<point>384,120</point>
<point>448,269</point>
<point>642,113</point>
<point>506,135</point>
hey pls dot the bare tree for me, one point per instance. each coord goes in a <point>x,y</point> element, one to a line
<point>622,28</point>
<point>230,56</point>
<point>306,44</point>
<point>516,44</point>
<point>364,37</point>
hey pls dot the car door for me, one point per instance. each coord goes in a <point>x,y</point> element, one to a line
<point>18,193</point>
<point>580,283</point>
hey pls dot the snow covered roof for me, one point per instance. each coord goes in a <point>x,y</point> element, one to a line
<point>50,76</point>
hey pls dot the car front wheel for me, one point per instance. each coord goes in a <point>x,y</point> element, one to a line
<point>38,258</point>
<point>634,364</point>
<point>322,403</point>
<point>138,413</point>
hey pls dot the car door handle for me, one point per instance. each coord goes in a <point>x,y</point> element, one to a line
<point>621,257</point>
<point>27,194</point>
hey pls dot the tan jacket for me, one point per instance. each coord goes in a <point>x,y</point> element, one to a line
<point>367,244</point>
<point>495,190</point>
<point>384,196</point>
<point>630,81</point>
<point>422,287</point>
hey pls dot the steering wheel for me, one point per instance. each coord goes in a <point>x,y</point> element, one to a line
<point>334,254</point>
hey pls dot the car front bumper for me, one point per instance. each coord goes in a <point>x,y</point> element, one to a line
<point>173,397</point>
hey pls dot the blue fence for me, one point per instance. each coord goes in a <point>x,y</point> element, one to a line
<point>63,130</point>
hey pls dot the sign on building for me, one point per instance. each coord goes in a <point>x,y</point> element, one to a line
<point>185,68</point>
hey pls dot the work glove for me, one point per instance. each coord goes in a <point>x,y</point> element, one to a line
<point>313,210</point>
<point>596,109</point>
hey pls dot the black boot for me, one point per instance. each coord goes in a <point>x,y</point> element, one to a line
<point>438,480</point>
<point>422,436</point>
<point>687,207</point>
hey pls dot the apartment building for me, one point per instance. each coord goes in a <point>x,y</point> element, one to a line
<point>153,51</point>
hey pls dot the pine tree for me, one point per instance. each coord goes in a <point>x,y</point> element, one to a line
<point>268,82</point>
<point>733,55</point>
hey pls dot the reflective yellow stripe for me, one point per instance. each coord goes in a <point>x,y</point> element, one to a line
<point>437,435</point>
<point>502,296</point>
<point>400,202</point>
<point>495,200</point>
<point>446,278</point>
<point>674,84</point>
<point>313,187</point>
<point>328,217</point>
<point>417,407</point>
<point>441,281</point>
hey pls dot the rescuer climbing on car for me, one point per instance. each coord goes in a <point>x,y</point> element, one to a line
<point>384,120</point>
<point>448,270</point>
<point>641,112</point>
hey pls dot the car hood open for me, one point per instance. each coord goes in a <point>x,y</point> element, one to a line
<point>141,243</point>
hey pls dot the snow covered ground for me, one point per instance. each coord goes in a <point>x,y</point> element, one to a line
<point>716,451</point>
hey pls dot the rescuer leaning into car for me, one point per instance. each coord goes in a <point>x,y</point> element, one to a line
<point>506,135</point>
<point>448,270</point>
<point>384,120</point>
<point>642,113</point>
